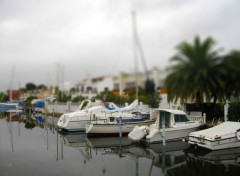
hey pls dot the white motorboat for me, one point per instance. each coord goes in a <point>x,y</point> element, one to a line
<point>223,136</point>
<point>115,126</point>
<point>92,111</point>
<point>170,124</point>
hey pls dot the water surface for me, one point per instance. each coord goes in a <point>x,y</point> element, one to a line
<point>30,146</point>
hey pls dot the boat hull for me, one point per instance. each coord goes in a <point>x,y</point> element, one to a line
<point>74,126</point>
<point>172,134</point>
<point>223,136</point>
<point>215,145</point>
<point>112,129</point>
<point>7,106</point>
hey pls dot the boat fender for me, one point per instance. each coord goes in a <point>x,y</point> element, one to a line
<point>138,133</point>
<point>238,135</point>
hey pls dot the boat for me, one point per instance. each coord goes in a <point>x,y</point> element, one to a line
<point>7,106</point>
<point>170,125</point>
<point>92,111</point>
<point>115,126</point>
<point>223,136</point>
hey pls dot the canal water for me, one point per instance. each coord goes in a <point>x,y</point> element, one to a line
<point>30,146</point>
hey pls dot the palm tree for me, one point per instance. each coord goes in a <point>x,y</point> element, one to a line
<point>194,74</point>
<point>230,73</point>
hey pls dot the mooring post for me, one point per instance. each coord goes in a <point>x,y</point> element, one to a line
<point>226,106</point>
<point>120,127</point>
<point>164,132</point>
<point>69,106</point>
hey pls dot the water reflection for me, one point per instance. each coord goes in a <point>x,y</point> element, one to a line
<point>71,154</point>
<point>13,117</point>
<point>220,162</point>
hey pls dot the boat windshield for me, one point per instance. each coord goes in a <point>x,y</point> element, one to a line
<point>84,105</point>
<point>180,118</point>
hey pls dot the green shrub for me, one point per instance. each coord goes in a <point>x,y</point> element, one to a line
<point>234,111</point>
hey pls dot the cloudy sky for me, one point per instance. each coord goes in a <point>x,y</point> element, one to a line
<point>94,37</point>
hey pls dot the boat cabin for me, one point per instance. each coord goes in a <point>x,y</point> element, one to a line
<point>170,117</point>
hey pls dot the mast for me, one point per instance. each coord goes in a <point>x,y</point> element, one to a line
<point>134,30</point>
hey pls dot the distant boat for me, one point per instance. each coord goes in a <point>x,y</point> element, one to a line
<point>223,136</point>
<point>7,106</point>
<point>170,124</point>
<point>91,111</point>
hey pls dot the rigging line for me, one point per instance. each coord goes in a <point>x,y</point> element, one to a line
<point>142,55</point>
<point>139,46</point>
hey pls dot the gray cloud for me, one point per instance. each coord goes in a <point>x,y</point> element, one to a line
<point>94,37</point>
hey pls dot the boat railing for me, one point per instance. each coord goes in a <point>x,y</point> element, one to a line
<point>198,118</point>
<point>218,121</point>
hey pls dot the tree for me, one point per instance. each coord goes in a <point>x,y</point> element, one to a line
<point>42,86</point>
<point>78,99</point>
<point>31,86</point>
<point>29,100</point>
<point>62,96</point>
<point>194,74</point>
<point>230,74</point>
<point>147,96</point>
<point>3,97</point>
<point>234,111</point>
<point>150,86</point>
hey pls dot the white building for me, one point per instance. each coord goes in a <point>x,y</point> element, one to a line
<point>90,87</point>
<point>126,81</point>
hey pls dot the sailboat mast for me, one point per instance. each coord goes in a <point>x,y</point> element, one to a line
<point>134,30</point>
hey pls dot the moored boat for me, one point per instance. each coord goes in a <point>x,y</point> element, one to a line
<point>223,136</point>
<point>115,127</point>
<point>170,125</point>
<point>92,111</point>
<point>7,106</point>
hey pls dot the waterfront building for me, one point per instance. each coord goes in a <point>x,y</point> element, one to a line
<point>90,87</point>
<point>126,81</point>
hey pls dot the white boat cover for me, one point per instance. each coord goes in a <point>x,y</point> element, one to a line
<point>138,133</point>
<point>130,107</point>
<point>224,130</point>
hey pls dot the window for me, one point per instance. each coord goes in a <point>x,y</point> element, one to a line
<point>116,86</point>
<point>165,115</point>
<point>180,118</point>
<point>130,85</point>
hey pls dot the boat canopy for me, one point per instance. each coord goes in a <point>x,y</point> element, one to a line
<point>221,130</point>
<point>172,111</point>
<point>40,104</point>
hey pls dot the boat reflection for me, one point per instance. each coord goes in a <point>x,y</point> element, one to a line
<point>168,157</point>
<point>155,156</point>
<point>205,162</point>
<point>13,116</point>
<point>226,156</point>
<point>108,142</point>
<point>73,140</point>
